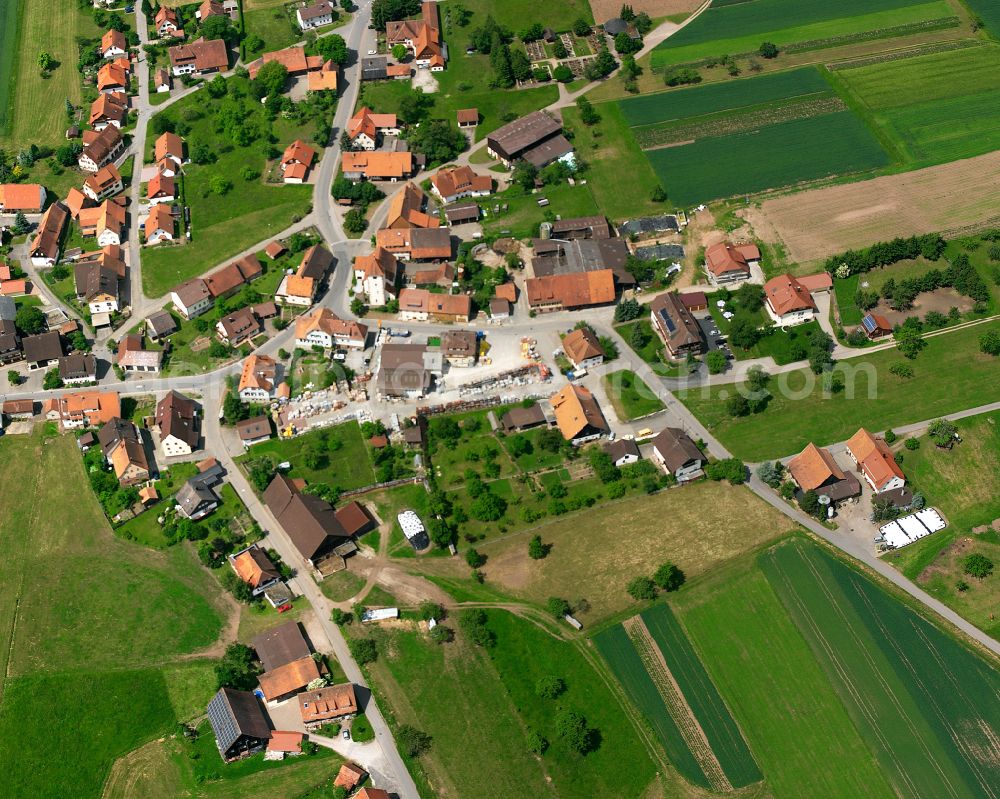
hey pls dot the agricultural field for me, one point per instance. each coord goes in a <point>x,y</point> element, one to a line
<point>498,707</point>
<point>925,704</point>
<point>343,457</point>
<point>737,28</point>
<point>989,12</point>
<point>221,226</point>
<point>10,20</point>
<point>697,527</point>
<point>932,108</point>
<point>948,197</point>
<point>89,615</point>
<point>949,375</point>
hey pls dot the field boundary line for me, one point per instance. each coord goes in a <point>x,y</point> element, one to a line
<point>687,723</point>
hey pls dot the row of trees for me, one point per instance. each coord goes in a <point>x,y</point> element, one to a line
<point>960,275</point>
<point>930,246</point>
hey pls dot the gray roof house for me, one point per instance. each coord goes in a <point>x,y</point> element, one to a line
<point>677,454</point>
<point>195,499</point>
<point>238,722</point>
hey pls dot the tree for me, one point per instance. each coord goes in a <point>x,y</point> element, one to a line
<point>473,624</point>
<point>942,432</point>
<point>503,71</point>
<point>638,337</point>
<point>524,175</point>
<point>384,11</point>
<point>743,333</point>
<point>658,195</point>
<point>588,114</point>
<point>768,50</point>
<point>571,726</point>
<point>626,45</point>
<point>536,549</point>
<point>13,377</point>
<point>52,380</point>
<point>399,51</point>
<point>680,76</point>
<point>640,588</point>
<point>431,610</point>
<point>334,48</point>
<point>520,64</point>
<point>771,472</point>
<point>809,502</point>
<point>236,669</point>
<point>604,64</point>
<point>549,687</point>
<point>562,73</point>
<point>581,27</point>
<point>271,78</point>
<point>731,469</point>
<point>412,741</point>
<point>218,27</point>
<point>737,405</point>
<point>45,61</point>
<point>488,507</point>
<point>474,558</point>
<point>558,607</point>
<point>977,565</point>
<point>414,106</point>
<point>439,140</point>
<point>716,362</point>
<point>669,577</point>
<point>559,49</point>
<point>30,320</point>
<point>533,32</point>
<point>909,341</point>
<point>989,342</point>
<point>628,310</point>
<point>363,650</point>
<point>355,222</point>
<point>643,23</point>
<point>901,369</point>
<point>220,185</point>
<point>20,226</point>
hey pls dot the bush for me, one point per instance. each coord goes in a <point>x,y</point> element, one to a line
<point>363,650</point>
<point>912,443</point>
<point>977,565</point>
<point>413,742</point>
<point>536,549</point>
<point>716,362</point>
<point>890,436</point>
<point>731,469</point>
<point>558,606</point>
<point>768,50</point>
<point>641,588</point>
<point>989,342</point>
<point>669,577</point>
<point>473,624</point>
<point>550,687</point>
<point>571,726</point>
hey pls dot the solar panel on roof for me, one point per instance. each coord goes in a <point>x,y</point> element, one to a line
<point>667,321</point>
<point>869,323</point>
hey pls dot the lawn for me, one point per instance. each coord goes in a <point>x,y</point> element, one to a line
<point>777,155</point>
<point>524,215</point>
<point>630,396</point>
<point>949,375</point>
<point>610,151</point>
<point>389,503</point>
<point>935,108</point>
<point>697,527</point>
<point>929,714</point>
<point>32,108</point>
<point>88,615</point>
<point>275,26</point>
<point>518,14</point>
<point>344,459</point>
<point>250,212</point>
<point>342,585</point>
<point>737,28</point>
<point>775,689</point>
<point>497,707</point>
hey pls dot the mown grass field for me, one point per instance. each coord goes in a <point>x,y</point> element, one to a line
<point>87,615</point>
<point>476,702</point>
<point>926,705</point>
<point>34,107</point>
<point>518,15</point>
<point>776,690</point>
<point>736,28</point>
<point>782,154</point>
<point>630,396</point>
<point>989,12</point>
<point>935,108</point>
<point>348,463</point>
<point>702,696</point>
<point>949,375</point>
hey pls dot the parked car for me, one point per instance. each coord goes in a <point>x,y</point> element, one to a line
<point>373,52</point>
<point>347,735</point>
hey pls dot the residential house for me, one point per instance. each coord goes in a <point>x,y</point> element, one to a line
<point>623,452</point>
<point>192,298</point>
<point>126,453</point>
<point>177,420</point>
<point>467,117</point>
<point>325,79</point>
<point>132,357</point>
<point>200,57</point>
<point>106,222</point>
<point>195,500</point>
<point>254,567</point>
<point>100,148</point>
<point>113,77</point>
<point>315,16</point>
<point>374,68</point>
<point>253,431</point>
<point>399,71</point>
<point>10,341</point>
<point>317,263</point>
<point>78,368</point>
<point>677,454</point>
<point>162,81</point>
<point>159,225</point>
<point>441,274</point>
<point>406,371</point>
<point>676,325</point>
<point>85,408</point>
<point>239,326</point>
<point>160,325</point>
<point>104,183</point>
<point>293,58</point>
<point>322,328</point>
<point>308,521</point>
<point>44,248</point>
<point>460,347</point>
<point>238,722</point>
<point>578,415</point>
<point>519,419</point>
<point>350,777</point>
<point>76,201</point>
<point>25,198</point>
<point>365,128</point>
<point>875,461</point>
<point>326,705</point>
<point>287,680</point>
<point>169,145</point>
<point>571,290</point>
<point>160,189</point>
<point>421,36</point>
<point>818,283</point>
<point>788,302</point>
<point>536,138</point>
<point>97,286</point>
<point>109,109</point>
<point>815,469</point>
<point>876,326</point>
<point>583,349</point>
<point>454,183</point>
<point>259,379</point>
<point>296,161</point>
<point>379,165</point>
<point>280,645</point>
<point>210,8</point>
<point>416,244</point>
<point>228,280</point>
<point>376,276</point>
<point>355,519</point>
<point>275,250</point>
<point>422,305</point>
<point>113,44</point>
<point>730,263</point>
<point>18,409</point>
<point>166,22</point>
<point>406,210</point>
<point>302,287</point>
<point>43,350</point>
